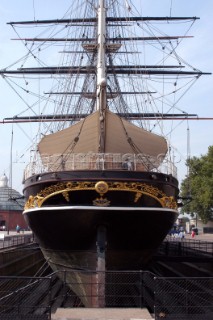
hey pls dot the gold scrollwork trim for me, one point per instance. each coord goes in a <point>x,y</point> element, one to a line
<point>101,187</point>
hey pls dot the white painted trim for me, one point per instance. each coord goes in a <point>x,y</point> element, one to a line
<point>100,208</point>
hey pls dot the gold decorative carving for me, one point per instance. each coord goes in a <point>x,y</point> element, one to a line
<point>169,202</point>
<point>66,195</point>
<point>137,196</point>
<point>101,202</point>
<point>102,188</point>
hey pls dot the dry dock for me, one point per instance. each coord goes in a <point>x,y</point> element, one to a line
<point>178,285</point>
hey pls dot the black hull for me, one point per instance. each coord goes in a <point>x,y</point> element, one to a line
<point>132,234</point>
<point>127,205</point>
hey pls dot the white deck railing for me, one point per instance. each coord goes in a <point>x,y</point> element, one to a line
<point>99,161</point>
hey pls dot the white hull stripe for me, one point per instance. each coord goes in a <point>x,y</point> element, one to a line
<point>86,208</point>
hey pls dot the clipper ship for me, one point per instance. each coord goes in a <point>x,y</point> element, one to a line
<point>101,189</point>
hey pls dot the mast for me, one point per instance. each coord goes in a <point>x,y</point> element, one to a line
<point>101,73</point>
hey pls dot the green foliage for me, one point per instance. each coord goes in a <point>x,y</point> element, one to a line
<point>199,185</point>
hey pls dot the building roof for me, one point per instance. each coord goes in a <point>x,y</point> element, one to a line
<point>10,199</point>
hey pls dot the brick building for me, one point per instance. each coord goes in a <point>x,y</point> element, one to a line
<point>11,207</point>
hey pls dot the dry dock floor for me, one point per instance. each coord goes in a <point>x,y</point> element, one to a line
<point>101,314</point>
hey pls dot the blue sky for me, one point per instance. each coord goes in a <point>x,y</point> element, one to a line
<point>198,52</point>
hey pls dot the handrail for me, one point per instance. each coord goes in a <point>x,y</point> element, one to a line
<point>99,161</point>
<point>8,241</point>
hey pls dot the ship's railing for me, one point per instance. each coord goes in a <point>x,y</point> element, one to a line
<point>100,161</point>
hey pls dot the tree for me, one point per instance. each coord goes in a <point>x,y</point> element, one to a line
<point>199,186</point>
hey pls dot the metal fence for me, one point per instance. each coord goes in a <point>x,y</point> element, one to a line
<point>183,298</point>
<point>186,247</point>
<point>15,240</point>
<point>170,298</point>
<point>25,298</point>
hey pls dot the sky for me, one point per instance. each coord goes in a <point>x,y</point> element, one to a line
<point>198,100</point>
